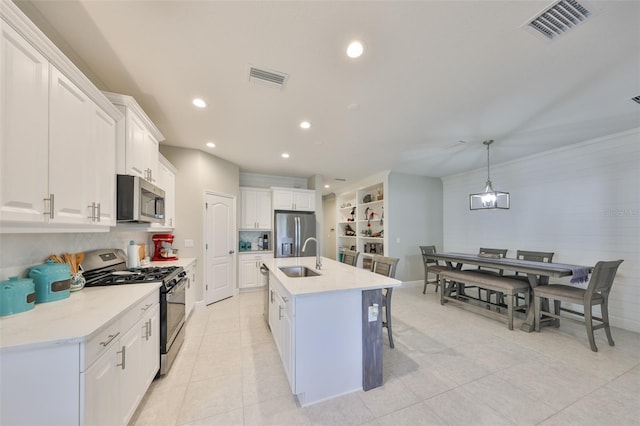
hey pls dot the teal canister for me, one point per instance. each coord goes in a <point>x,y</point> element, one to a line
<point>52,281</point>
<point>17,295</point>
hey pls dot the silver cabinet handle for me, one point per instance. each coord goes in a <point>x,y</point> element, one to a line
<point>109,339</point>
<point>51,207</point>
<point>280,309</point>
<point>99,213</point>
<point>149,327</point>
<point>124,357</point>
<point>285,299</point>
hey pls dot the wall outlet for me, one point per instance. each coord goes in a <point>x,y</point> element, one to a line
<point>188,243</point>
<point>373,312</point>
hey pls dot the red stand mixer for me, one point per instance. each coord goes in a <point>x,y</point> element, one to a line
<point>163,249</point>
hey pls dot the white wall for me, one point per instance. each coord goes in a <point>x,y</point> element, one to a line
<point>197,172</point>
<point>581,202</point>
<point>415,219</point>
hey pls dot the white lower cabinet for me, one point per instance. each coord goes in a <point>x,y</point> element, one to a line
<point>250,275</point>
<point>117,382</point>
<point>190,296</point>
<point>97,382</point>
<point>281,324</point>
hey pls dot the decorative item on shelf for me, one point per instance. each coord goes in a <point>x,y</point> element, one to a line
<point>378,234</point>
<point>367,199</point>
<point>366,232</point>
<point>345,205</point>
<point>349,232</point>
<point>382,217</point>
<point>353,215</point>
<point>379,196</point>
<point>489,198</point>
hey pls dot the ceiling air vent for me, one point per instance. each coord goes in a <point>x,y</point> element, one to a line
<point>267,77</point>
<point>636,99</point>
<point>561,17</point>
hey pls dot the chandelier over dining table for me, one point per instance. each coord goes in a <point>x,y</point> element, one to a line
<point>489,198</point>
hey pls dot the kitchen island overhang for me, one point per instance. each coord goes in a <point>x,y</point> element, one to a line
<point>319,325</point>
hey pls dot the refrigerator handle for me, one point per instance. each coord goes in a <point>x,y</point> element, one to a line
<point>296,221</point>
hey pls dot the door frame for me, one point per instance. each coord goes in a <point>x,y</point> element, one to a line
<point>234,259</point>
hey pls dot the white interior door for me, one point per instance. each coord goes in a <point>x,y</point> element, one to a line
<point>220,243</point>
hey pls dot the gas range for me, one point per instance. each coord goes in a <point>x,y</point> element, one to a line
<point>108,267</point>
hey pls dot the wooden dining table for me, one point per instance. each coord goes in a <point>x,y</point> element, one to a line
<point>538,273</point>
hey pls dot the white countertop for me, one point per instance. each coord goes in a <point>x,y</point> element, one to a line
<point>334,276</point>
<point>71,320</point>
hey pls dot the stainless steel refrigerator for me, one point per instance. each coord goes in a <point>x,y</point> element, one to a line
<point>291,231</point>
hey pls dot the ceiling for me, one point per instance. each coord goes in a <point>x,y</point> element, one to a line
<point>436,78</point>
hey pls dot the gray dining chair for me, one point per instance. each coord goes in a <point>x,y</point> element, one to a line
<point>596,293</point>
<point>533,256</point>
<point>432,266</point>
<point>386,266</point>
<point>350,257</point>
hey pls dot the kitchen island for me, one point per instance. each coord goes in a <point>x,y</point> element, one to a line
<point>328,343</point>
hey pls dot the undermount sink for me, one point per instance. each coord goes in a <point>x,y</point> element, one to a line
<point>298,271</point>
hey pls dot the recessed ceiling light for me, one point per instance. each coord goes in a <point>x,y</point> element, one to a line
<point>327,186</point>
<point>199,103</point>
<point>285,155</point>
<point>211,144</point>
<point>305,124</point>
<point>355,49</point>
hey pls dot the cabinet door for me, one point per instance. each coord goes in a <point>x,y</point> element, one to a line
<point>304,200</point>
<point>135,146</point>
<point>152,149</point>
<point>70,127</point>
<point>101,403</point>
<point>24,129</point>
<point>282,200</point>
<point>104,165</point>
<point>249,207</point>
<point>264,215</point>
<point>167,181</point>
<point>130,388</point>
<point>190,296</point>
<point>150,357</point>
<point>248,272</point>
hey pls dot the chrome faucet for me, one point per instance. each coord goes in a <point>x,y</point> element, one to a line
<point>318,261</point>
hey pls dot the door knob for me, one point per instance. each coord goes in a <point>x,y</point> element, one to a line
<point>231,251</point>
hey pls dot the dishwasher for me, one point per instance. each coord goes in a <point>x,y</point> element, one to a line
<point>265,271</point>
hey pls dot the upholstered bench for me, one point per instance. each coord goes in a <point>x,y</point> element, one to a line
<point>509,287</point>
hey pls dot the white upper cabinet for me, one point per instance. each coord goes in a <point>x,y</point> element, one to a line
<point>137,140</point>
<point>24,129</point>
<point>57,146</point>
<point>70,132</point>
<point>256,208</point>
<point>167,181</point>
<point>294,199</point>
<point>104,156</point>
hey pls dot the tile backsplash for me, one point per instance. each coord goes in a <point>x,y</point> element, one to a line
<point>18,252</point>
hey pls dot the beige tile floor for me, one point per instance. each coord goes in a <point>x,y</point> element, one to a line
<point>449,367</point>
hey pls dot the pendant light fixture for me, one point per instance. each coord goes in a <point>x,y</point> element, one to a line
<point>489,198</point>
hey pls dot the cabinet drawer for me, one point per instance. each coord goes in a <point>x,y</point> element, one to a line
<point>133,315</point>
<point>99,344</point>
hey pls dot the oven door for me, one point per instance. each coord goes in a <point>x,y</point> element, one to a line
<point>176,312</point>
<point>172,312</point>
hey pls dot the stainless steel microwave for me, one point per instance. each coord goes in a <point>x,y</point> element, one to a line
<point>138,200</point>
